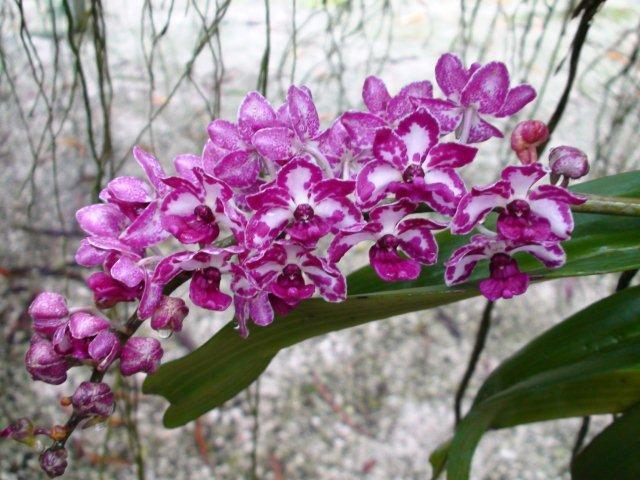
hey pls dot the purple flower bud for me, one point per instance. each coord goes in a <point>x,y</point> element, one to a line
<point>140,354</point>
<point>568,162</point>
<point>54,462</point>
<point>93,400</point>
<point>48,311</point>
<point>108,291</point>
<point>525,139</point>
<point>21,430</point>
<point>104,349</point>
<point>44,363</point>
<point>169,315</point>
<point>86,325</point>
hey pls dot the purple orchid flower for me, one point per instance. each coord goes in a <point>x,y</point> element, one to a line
<point>304,204</point>
<point>472,93</point>
<point>284,269</point>
<point>195,212</point>
<point>231,155</point>
<point>250,301</point>
<point>208,265</point>
<point>298,136</point>
<point>506,280</point>
<point>390,231</point>
<point>540,214</point>
<point>412,164</point>
<point>391,109</point>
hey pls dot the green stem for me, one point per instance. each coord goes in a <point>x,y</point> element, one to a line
<point>628,207</point>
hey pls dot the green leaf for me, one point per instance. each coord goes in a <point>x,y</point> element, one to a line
<point>614,452</point>
<point>588,364</point>
<point>227,364</point>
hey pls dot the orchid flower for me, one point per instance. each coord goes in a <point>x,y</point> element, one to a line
<point>298,136</point>
<point>411,163</point>
<point>285,269</point>
<point>472,93</point>
<point>304,204</point>
<point>230,154</point>
<point>505,279</point>
<point>195,212</point>
<point>379,102</point>
<point>539,214</point>
<point>390,231</point>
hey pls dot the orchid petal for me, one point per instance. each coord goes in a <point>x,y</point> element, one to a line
<point>451,74</point>
<point>487,88</point>
<point>304,117</point>
<point>516,99</point>
<point>375,94</point>
<point>275,143</point>
<point>419,132</point>
<point>372,182</point>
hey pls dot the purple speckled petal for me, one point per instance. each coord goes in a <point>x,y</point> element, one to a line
<point>417,241</point>
<point>419,132</point>
<point>551,255</point>
<point>482,130</point>
<point>375,94</point>
<point>373,180</point>
<point>522,178</point>
<point>516,99</point>
<point>332,187</point>
<point>443,190</point>
<point>527,227</point>
<point>207,294</point>
<point>327,278</point>
<point>269,197</point>
<point>422,89</point>
<point>239,169</point>
<point>304,117</point>
<point>388,216</point>
<point>297,177</point>
<point>254,113</point>
<point>129,190</point>
<point>127,271</point>
<point>185,163</point>
<point>275,143</point>
<point>104,349</point>
<point>361,128</point>
<point>48,305</point>
<point>340,213</point>
<point>450,155</point>
<point>447,113</point>
<point>487,88</point>
<point>389,147</point>
<point>476,205</point>
<point>266,225</point>
<point>390,267</point>
<point>152,168</point>
<point>146,230</point>
<point>343,242</point>
<point>225,135</point>
<point>557,215</point>
<point>101,220</point>
<point>451,74</point>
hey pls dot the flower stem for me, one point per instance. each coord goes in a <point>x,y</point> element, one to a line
<point>481,338</point>
<point>628,207</point>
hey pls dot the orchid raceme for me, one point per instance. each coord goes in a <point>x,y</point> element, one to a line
<point>259,221</point>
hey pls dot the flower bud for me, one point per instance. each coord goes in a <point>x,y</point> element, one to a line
<point>93,400</point>
<point>104,349</point>
<point>568,162</point>
<point>54,462</point>
<point>169,315</point>
<point>86,325</point>
<point>44,363</point>
<point>525,139</point>
<point>21,430</point>
<point>140,354</point>
<point>108,291</point>
<point>48,311</point>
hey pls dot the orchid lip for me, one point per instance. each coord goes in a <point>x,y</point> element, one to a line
<point>411,172</point>
<point>204,214</point>
<point>518,208</point>
<point>212,275</point>
<point>388,242</point>
<point>304,212</point>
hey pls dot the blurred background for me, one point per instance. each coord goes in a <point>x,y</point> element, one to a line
<point>82,81</point>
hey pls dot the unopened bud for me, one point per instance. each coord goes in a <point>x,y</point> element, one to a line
<point>569,162</point>
<point>44,363</point>
<point>140,354</point>
<point>48,311</point>
<point>169,314</point>
<point>54,462</point>
<point>93,400</point>
<point>526,138</point>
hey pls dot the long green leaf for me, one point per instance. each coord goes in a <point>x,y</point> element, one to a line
<point>614,453</point>
<point>226,364</point>
<point>588,364</point>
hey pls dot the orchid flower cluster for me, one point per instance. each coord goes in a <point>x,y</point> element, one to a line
<point>261,219</point>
